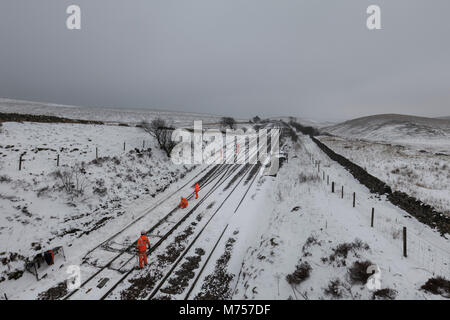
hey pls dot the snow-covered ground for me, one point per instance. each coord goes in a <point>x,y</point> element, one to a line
<point>301,223</point>
<point>37,213</point>
<point>431,134</point>
<point>130,116</point>
<point>248,236</point>
<point>422,173</point>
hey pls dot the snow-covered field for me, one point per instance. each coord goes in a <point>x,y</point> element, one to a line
<point>431,134</point>
<point>248,236</point>
<point>110,115</point>
<point>421,173</point>
<point>306,227</point>
<point>37,213</point>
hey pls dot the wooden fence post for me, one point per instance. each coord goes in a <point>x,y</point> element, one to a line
<point>354,199</point>
<point>371,219</point>
<point>332,187</point>
<point>20,161</point>
<point>328,179</point>
<point>405,253</point>
<point>124,146</point>
<point>143,144</point>
<point>323,175</point>
<point>96,152</point>
<point>57,160</point>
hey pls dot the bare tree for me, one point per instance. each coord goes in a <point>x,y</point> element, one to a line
<point>228,122</point>
<point>72,180</point>
<point>162,131</point>
<point>256,119</point>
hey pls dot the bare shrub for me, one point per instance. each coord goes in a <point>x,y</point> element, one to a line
<point>311,241</point>
<point>228,122</point>
<point>438,285</point>
<point>340,253</point>
<point>162,131</point>
<point>358,272</point>
<point>4,178</point>
<point>386,294</point>
<point>334,288</point>
<point>72,180</point>
<point>301,273</point>
<point>303,177</point>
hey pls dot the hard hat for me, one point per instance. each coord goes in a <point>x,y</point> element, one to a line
<point>143,232</point>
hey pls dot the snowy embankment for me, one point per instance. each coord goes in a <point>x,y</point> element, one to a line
<point>420,173</point>
<point>312,244</point>
<point>43,206</point>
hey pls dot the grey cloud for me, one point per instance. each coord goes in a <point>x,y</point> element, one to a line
<point>307,58</point>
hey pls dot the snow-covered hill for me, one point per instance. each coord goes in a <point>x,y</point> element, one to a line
<point>394,128</point>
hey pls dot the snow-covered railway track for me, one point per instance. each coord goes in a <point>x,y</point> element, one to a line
<point>123,264</point>
<point>230,172</point>
<point>121,259</point>
<point>210,234</point>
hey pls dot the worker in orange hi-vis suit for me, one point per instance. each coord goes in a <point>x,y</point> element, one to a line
<point>183,203</point>
<point>197,188</point>
<point>142,245</point>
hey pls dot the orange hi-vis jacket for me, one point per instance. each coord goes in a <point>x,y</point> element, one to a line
<point>142,244</point>
<point>197,188</point>
<point>183,203</point>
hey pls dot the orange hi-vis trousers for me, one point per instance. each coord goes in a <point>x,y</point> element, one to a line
<point>142,259</point>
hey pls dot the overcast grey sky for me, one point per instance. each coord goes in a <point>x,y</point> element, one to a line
<point>308,58</point>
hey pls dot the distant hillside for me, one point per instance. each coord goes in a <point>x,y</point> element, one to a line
<point>303,121</point>
<point>131,116</point>
<point>392,127</point>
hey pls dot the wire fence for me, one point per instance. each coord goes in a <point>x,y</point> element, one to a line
<point>430,256</point>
